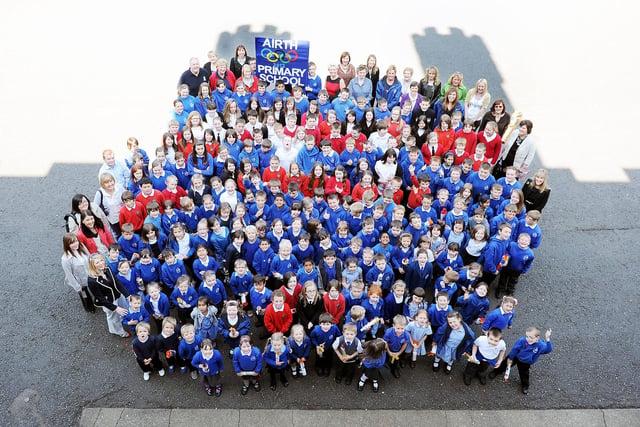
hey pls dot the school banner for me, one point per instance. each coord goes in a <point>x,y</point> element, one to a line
<point>282,59</point>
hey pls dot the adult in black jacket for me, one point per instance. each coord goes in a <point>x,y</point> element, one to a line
<point>108,293</point>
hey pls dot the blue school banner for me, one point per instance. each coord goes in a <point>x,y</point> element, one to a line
<point>282,59</point>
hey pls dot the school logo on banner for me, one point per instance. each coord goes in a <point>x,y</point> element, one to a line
<point>287,60</point>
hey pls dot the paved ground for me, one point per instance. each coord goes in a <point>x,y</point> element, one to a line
<point>122,417</point>
<point>80,78</point>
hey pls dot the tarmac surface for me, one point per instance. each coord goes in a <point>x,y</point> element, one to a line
<point>97,61</point>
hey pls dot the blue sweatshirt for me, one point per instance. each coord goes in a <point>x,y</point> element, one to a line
<point>394,341</point>
<point>530,353</point>
<point>493,254</point>
<point>163,305</point>
<point>214,364</point>
<point>480,186</point>
<point>260,299</point>
<point>438,317</point>
<point>199,267</point>
<point>186,350</point>
<point>189,298</point>
<point>240,284</point>
<point>318,336</point>
<point>283,266</point>
<point>301,350</point>
<point>306,159</point>
<point>443,261</point>
<point>262,261</point>
<point>369,240</point>
<point>375,363</point>
<point>473,307</point>
<point>217,294</point>
<point>242,326</point>
<point>170,273</point>
<point>386,277</point>
<point>440,286</point>
<point>520,260</point>
<point>269,356</point>
<point>498,319</point>
<point>149,272</point>
<point>251,362</point>
<point>535,233</point>
<point>129,247</point>
<point>140,316</point>
<point>499,219</point>
<point>398,255</point>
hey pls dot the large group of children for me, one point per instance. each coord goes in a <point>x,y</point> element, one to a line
<point>353,237</point>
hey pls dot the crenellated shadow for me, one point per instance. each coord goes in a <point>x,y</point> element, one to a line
<point>227,42</point>
<point>458,52</point>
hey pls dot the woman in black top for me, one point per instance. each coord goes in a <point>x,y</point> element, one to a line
<point>536,191</point>
<point>108,293</point>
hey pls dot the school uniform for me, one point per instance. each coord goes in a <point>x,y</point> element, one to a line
<point>473,308</point>
<point>251,362</point>
<point>187,351</point>
<point>179,299</point>
<point>168,345</point>
<point>319,338</point>
<point>498,318</point>
<point>346,369</point>
<point>206,325</point>
<point>487,355</point>
<point>523,355</point>
<point>146,350</point>
<point>277,363</point>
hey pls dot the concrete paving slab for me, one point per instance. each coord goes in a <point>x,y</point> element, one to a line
<point>108,417</point>
<point>89,417</point>
<point>268,417</point>
<point>559,418</point>
<point>144,417</point>
<point>621,417</point>
<point>100,417</point>
<point>190,417</point>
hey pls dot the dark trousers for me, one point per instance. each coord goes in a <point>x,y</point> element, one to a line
<point>324,361</point>
<point>508,280</point>
<point>273,371</point>
<point>184,316</point>
<point>211,380</point>
<point>523,370</point>
<point>175,360</point>
<point>488,278</point>
<point>371,373</point>
<point>345,370</point>
<point>155,364</point>
<point>481,370</point>
<point>87,300</point>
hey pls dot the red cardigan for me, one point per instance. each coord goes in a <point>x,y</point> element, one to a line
<point>278,322</point>
<point>105,237</point>
<point>334,307</point>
